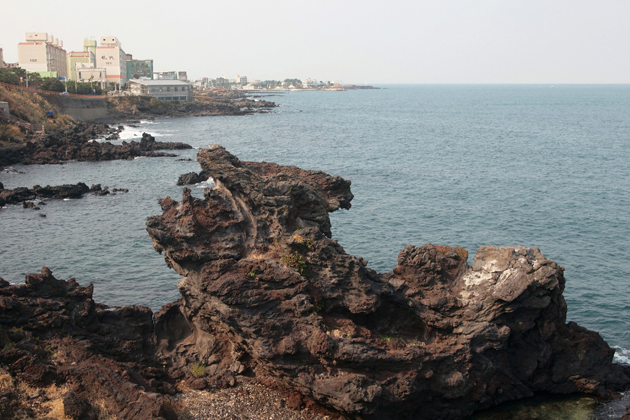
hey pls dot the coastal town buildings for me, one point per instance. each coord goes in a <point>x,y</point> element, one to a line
<point>137,69</point>
<point>311,83</point>
<point>241,80</point>
<point>221,82</point>
<point>87,73</point>
<point>111,57</point>
<point>82,65</point>
<point>164,90</point>
<point>44,54</point>
<point>165,75</point>
<point>80,57</point>
<point>182,75</point>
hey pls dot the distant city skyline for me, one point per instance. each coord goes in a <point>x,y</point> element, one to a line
<point>446,41</point>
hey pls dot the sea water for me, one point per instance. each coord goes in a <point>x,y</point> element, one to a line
<point>531,165</point>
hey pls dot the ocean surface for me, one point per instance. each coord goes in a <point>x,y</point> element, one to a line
<point>533,165</point>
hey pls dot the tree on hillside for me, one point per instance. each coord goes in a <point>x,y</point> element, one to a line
<point>84,88</point>
<point>12,75</point>
<point>34,79</point>
<point>52,84</point>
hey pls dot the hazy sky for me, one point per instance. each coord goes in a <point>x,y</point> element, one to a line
<point>437,41</point>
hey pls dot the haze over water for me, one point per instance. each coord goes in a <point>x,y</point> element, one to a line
<point>461,165</point>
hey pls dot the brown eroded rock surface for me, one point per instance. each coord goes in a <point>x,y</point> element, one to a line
<point>267,293</point>
<point>276,320</point>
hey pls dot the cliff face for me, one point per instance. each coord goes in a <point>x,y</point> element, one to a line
<point>267,292</point>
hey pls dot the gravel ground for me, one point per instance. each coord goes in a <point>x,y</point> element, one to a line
<point>247,401</point>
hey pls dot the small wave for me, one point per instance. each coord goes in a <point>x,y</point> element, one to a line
<point>139,157</point>
<point>208,183</point>
<point>622,356</point>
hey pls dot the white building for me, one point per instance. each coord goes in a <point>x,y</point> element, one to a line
<point>241,80</point>
<point>111,57</point>
<point>164,90</point>
<point>86,72</point>
<point>2,63</point>
<point>44,54</point>
<point>311,83</point>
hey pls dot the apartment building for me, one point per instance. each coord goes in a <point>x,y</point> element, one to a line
<point>44,54</point>
<point>111,57</point>
<point>137,69</point>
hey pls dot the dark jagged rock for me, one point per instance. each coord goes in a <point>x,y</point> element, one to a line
<point>77,143</point>
<point>24,195</point>
<point>30,205</point>
<point>17,195</point>
<point>148,143</point>
<point>266,292</point>
<point>52,332</point>
<point>61,191</point>
<point>192,178</point>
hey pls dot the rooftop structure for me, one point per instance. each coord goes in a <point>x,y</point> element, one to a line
<point>165,75</point>
<point>90,45</point>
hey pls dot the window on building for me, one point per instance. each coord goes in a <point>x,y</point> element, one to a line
<point>176,89</point>
<point>168,88</point>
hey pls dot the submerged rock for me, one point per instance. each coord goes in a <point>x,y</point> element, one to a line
<point>267,292</point>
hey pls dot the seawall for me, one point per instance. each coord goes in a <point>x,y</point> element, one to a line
<point>81,109</point>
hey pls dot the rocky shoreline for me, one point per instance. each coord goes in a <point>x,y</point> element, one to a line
<point>209,103</point>
<point>269,297</point>
<point>27,196</point>
<point>79,143</point>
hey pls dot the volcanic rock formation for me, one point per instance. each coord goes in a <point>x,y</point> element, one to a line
<point>53,334</point>
<point>23,194</point>
<point>78,144</point>
<point>267,292</point>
